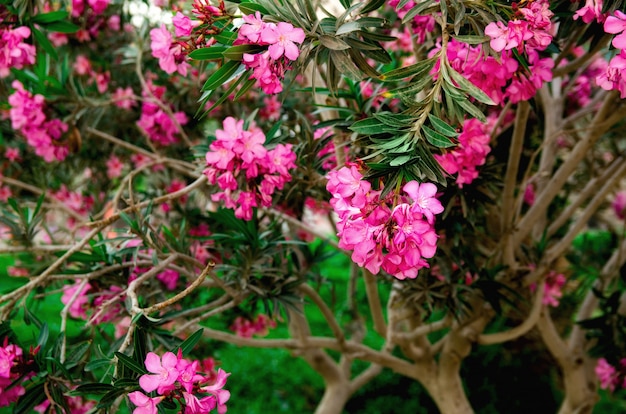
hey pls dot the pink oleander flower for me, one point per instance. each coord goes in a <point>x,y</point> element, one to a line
<point>282,39</point>
<point>14,53</point>
<point>222,396</point>
<point>183,25</point>
<point>616,24</point>
<point>124,98</point>
<point>619,205</point>
<point>607,374</point>
<point>170,54</point>
<point>78,307</point>
<point>614,76</point>
<point>397,240</point>
<point>12,154</point>
<point>82,65</point>
<point>553,288</point>
<point>164,372</point>
<point>592,10</point>
<point>143,403</point>
<point>5,193</point>
<point>98,6</point>
<point>471,152</point>
<point>114,167</point>
<point>246,172</point>
<point>169,278</point>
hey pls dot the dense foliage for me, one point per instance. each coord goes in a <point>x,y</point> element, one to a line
<point>431,188</point>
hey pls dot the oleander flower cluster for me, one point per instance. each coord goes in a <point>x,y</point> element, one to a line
<point>14,51</point>
<point>247,173</point>
<point>155,121</point>
<point>614,76</point>
<point>246,328</point>
<point>13,373</point>
<point>503,78</point>
<point>611,377</point>
<point>176,378</point>
<point>470,153</point>
<point>28,117</point>
<point>395,233</point>
<point>282,40</point>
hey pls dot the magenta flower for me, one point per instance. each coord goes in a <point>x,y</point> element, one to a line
<point>607,374</point>
<point>182,25</point>
<point>144,404</point>
<point>619,204</point>
<point>616,24</point>
<point>282,40</point>
<point>217,390</point>
<point>251,31</point>
<point>592,10</point>
<point>424,198</point>
<point>164,372</point>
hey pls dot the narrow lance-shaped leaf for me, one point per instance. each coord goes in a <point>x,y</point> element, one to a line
<point>436,139</point>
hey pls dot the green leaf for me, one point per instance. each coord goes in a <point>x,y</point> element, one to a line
<point>190,342</point>
<point>208,53</point>
<point>471,109</point>
<point>360,24</point>
<point>222,75</point>
<point>62,27</point>
<point>54,16</point>
<point>109,398</point>
<point>226,37</point>
<point>395,120</point>
<point>33,396</point>
<point>127,383</point>
<point>130,363</point>
<point>416,70</point>
<point>333,43</point>
<point>344,64</point>
<point>401,160</point>
<point>97,364</point>
<point>471,39</point>
<point>371,126</point>
<point>441,127</point>
<point>43,41</point>
<point>436,139</point>
<point>372,5</point>
<point>44,333</point>
<point>92,388</point>
<point>250,8</point>
<point>236,52</point>
<point>469,87</point>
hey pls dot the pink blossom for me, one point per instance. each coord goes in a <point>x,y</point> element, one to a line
<point>592,10</point>
<point>78,307</point>
<point>619,205</point>
<point>124,98</point>
<point>5,193</point>
<point>164,372</point>
<point>423,196</point>
<point>282,39</point>
<point>82,65</point>
<point>251,30</point>
<point>102,81</point>
<point>169,278</point>
<point>607,374</point>
<point>98,6</point>
<point>14,53</point>
<point>616,24</point>
<point>182,25</point>
<point>217,390</point>
<point>143,403</point>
